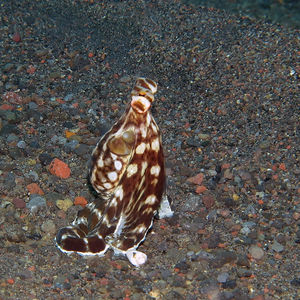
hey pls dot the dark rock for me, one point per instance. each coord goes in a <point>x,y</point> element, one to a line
<point>213,241</point>
<point>277,223</point>
<point>68,124</point>
<point>82,149</point>
<point>296,282</point>
<point>193,142</point>
<point>229,202</point>
<point>173,295</point>
<point>9,128</point>
<point>45,159</point>
<point>230,284</point>
<point>222,257</point>
<point>182,266</point>
<point>243,272</point>
<point>9,181</point>
<point>9,116</point>
<point>165,274</point>
<point>35,116</point>
<point>243,261</point>
<point>16,153</point>
<point>34,144</point>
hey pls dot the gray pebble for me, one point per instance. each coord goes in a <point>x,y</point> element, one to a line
<point>32,175</point>
<point>61,140</point>
<point>21,145</point>
<point>175,254</point>
<point>82,149</point>
<point>192,203</point>
<point>71,145</point>
<point>277,247</point>
<point>32,105</point>
<point>54,139</point>
<point>68,97</point>
<point>8,67</point>
<point>250,210</point>
<point>241,272</point>
<point>12,138</point>
<point>9,181</point>
<point>36,201</point>
<point>9,128</point>
<point>223,277</point>
<point>10,116</point>
<point>245,230</point>
<point>247,226</point>
<point>212,173</point>
<point>48,227</point>
<point>256,252</point>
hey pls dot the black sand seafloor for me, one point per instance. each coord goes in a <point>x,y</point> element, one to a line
<point>228,109</point>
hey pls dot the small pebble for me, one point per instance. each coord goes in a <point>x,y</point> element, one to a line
<point>223,277</point>
<point>59,168</point>
<point>256,252</point>
<point>33,188</point>
<point>19,203</point>
<point>45,159</point>
<point>12,138</point>
<point>21,145</point>
<point>48,227</point>
<point>32,105</point>
<point>32,175</point>
<point>9,181</point>
<point>16,37</point>
<point>277,247</point>
<point>36,201</point>
<point>64,204</point>
<point>68,97</point>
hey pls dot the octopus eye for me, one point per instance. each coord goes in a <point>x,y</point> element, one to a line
<point>128,137</point>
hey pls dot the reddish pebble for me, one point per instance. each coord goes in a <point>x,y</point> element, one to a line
<point>19,203</point>
<point>196,179</point>
<point>12,98</point>
<point>103,281</point>
<point>259,297</point>
<point>31,69</point>
<point>61,214</point>
<point>59,168</point>
<point>33,188</point>
<point>80,201</point>
<point>208,201</point>
<point>10,281</point>
<point>16,37</point>
<point>200,189</point>
<point>225,166</point>
<point>282,167</point>
<point>6,107</point>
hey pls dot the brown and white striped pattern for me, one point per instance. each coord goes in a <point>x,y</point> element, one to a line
<point>128,173</point>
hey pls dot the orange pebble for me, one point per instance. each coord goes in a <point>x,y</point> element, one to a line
<point>10,281</point>
<point>33,188</point>
<point>59,168</point>
<point>200,189</point>
<point>31,69</point>
<point>31,268</point>
<point>69,133</point>
<point>196,179</point>
<point>225,166</point>
<point>80,201</point>
<point>6,107</point>
<point>282,167</point>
